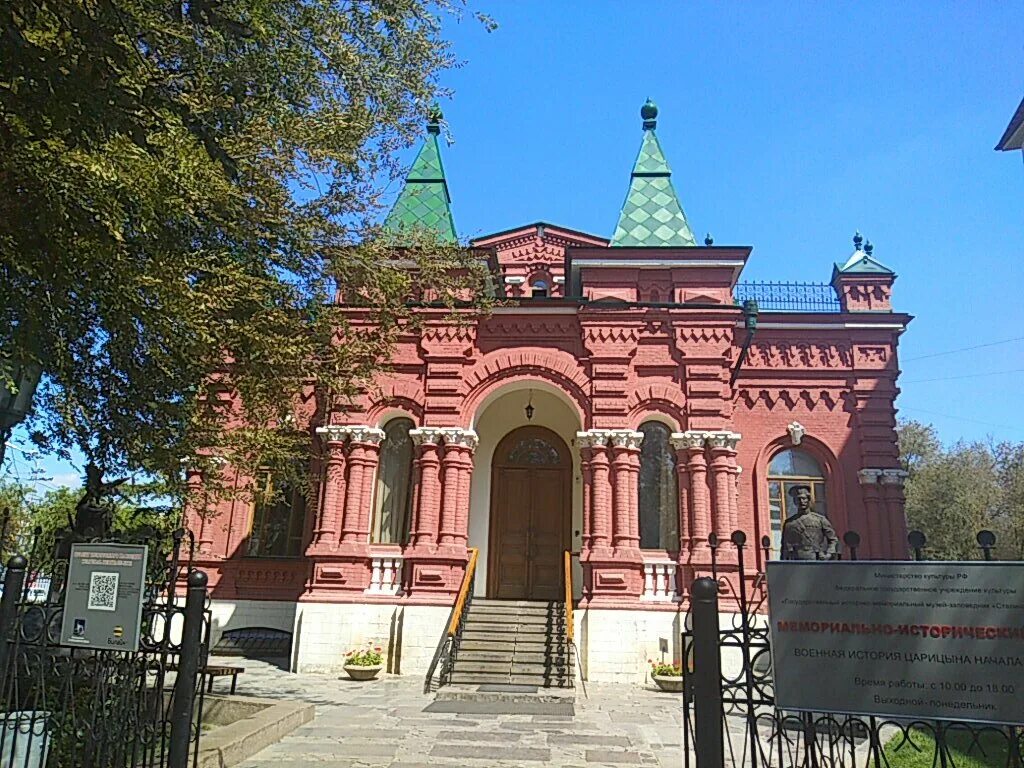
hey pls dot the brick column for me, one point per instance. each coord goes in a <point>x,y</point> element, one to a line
<point>327,533</point>
<point>428,488</point>
<point>370,439</point>
<point>457,469</point>
<point>683,486</point>
<point>722,446</point>
<point>692,444</point>
<point>895,501</point>
<point>586,445</point>
<point>625,518</point>
<point>599,489</point>
<point>877,530</point>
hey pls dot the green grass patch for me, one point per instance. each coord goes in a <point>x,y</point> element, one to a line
<point>987,749</point>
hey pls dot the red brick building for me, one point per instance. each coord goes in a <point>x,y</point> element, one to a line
<point>626,403</point>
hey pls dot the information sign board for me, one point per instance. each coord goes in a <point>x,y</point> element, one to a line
<point>935,640</point>
<point>103,600</point>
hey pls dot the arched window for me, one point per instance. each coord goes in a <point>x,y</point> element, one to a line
<point>277,519</point>
<point>787,471</point>
<point>539,288</point>
<point>393,499</point>
<point>659,494</point>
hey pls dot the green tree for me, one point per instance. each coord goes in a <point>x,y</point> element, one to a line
<point>185,189</point>
<point>954,492</point>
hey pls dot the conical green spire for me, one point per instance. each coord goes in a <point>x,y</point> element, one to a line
<point>651,215</point>
<point>424,202</point>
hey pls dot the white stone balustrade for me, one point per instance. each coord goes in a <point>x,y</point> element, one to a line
<point>660,581</point>
<point>386,576</point>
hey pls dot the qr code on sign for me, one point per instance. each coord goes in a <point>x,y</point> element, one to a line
<point>103,591</point>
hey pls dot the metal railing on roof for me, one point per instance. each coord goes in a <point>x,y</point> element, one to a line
<point>788,297</point>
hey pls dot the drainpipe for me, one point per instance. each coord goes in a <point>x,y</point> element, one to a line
<point>750,323</point>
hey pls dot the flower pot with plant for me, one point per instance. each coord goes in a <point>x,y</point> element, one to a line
<point>364,663</point>
<point>668,677</point>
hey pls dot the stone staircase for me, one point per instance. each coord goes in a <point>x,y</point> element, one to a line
<point>514,642</point>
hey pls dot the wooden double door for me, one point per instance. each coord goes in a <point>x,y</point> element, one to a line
<point>531,487</point>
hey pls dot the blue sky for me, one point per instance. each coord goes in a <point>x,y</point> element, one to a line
<point>787,126</point>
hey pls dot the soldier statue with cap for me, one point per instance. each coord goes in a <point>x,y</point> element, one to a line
<point>807,535</point>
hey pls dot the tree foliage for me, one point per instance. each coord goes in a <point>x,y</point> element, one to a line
<point>36,520</point>
<point>185,189</point>
<point>954,492</point>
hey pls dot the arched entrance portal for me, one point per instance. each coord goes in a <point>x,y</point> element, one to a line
<point>531,497</point>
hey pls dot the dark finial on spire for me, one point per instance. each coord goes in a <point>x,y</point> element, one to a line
<point>857,240</point>
<point>434,118</point>
<point>868,248</point>
<point>649,113</point>
<point>709,240</point>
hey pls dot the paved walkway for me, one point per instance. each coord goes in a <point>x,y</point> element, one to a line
<point>383,724</point>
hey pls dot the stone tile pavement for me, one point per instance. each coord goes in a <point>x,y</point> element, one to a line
<point>385,724</point>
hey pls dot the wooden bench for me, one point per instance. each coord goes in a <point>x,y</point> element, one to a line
<point>214,671</point>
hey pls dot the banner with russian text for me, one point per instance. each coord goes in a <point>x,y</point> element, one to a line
<point>932,640</point>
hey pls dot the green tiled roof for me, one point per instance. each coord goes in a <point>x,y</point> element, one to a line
<point>651,214</point>
<point>424,202</point>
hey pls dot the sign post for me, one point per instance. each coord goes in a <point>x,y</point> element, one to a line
<point>103,600</point>
<point>941,641</point>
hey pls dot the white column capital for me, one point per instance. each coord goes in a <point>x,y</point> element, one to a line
<point>465,438</point>
<point>869,476</point>
<point>625,438</point>
<point>368,435</point>
<point>894,476</point>
<point>426,435</point>
<point>723,440</point>
<point>689,440</point>
<point>334,433</point>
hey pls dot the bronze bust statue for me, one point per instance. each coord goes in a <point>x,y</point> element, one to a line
<point>807,535</point>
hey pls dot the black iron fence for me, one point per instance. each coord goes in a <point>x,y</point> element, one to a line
<point>788,297</point>
<point>77,708</point>
<point>730,718</point>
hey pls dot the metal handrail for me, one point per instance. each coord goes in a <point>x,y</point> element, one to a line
<point>451,627</point>
<point>568,595</point>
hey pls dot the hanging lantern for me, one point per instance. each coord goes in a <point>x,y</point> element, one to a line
<point>529,407</point>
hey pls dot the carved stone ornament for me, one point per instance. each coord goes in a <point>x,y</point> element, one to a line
<point>796,432</point>
<point>592,438</point>
<point>333,433</point>
<point>369,435</point>
<point>893,476</point>
<point>465,438</point>
<point>723,440</point>
<point>426,435</point>
<point>626,438</point>
<point>869,476</point>
<point>687,440</point>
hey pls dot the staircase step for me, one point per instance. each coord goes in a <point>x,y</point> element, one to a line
<point>484,624</point>
<point>516,603</point>
<point>528,695</point>
<point>516,610</point>
<point>484,678</point>
<point>485,635</point>
<point>472,644</point>
<point>514,618</point>
<point>488,654</point>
